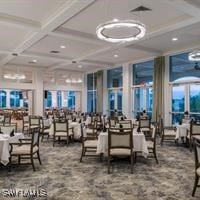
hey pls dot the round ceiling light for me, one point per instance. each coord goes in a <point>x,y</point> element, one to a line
<point>194,56</point>
<point>14,76</point>
<point>121,31</point>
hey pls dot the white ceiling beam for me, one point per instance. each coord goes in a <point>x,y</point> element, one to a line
<point>68,11</point>
<point>75,37</point>
<point>186,6</point>
<point>143,48</point>
<point>20,22</point>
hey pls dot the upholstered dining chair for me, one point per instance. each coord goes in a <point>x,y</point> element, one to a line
<point>89,144</point>
<point>34,123</point>
<point>151,144</point>
<point>91,130</point>
<point>168,133</point>
<point>126,123</point>
<point>45,128</point>
<point>25,123</point>
<point>194,130</point>
<point>197,166</point>
<point>27,148</point>
<point>112,121</point>
<point>62,131</point>
<point>8,130</point>
<point>120,143</point>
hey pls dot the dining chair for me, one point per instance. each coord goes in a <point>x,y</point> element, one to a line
<point>45,128</point>
<point>62,131</point>
<point>89,144</point>
<point>27,148</point>
<point>8,130</point>
<point>197,166</point>
<point>151,144</point>
<point>112,121</point>
<point>25,123</point>
<point>34,123</point>
<point>194,130</point>
<point>168,133</point>
<point>125,123</point>
<point>120,143</point>
<point>91,130</point>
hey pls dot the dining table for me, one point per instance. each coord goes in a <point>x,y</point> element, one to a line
<point>5,141</point>
<point>182,130</point>
<point>139,143</point>
<point>75,125</point>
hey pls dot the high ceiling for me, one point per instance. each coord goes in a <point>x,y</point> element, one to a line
<point>32,29</point>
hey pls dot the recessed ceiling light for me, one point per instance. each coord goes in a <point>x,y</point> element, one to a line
<point>62,47</point>
<point>54,51</point>
<point>34,61</point>
<point>14,76</point>
<point>174,39</point>
<point>115,20</point>
<point>80,66</point>
<point>116,56</point>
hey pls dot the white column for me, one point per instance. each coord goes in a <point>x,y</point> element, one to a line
<point>63,101</point>
<point>78,101</point>
<point>38,93</point>
<point>54,98</point>
<point>105,93</point>
<point>126,99</point>
<point>30,102</point>
<point>7,98</point>
<point>84,94</point>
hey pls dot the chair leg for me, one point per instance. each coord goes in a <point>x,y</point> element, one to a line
<point>42,137</point>
<point>161,141</point>
<point>108,164</point>
<point>154,152</point>
<point>32,163</point>
<point>82,154</point>
<point>38,155</point>
<point>132,164</point>
<point>195,184</point>
<point>19,159</point>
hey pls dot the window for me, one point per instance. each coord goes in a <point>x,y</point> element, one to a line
<point>49,99</point>
<point>142,91</point>
<point>59,99</point>
<point>114,78</point>
<point>2,99</point>
<point>15,97</point>
<point>184,80</point>
<point>114,85</point>
<point>91,92</point>
<point>71,99</point>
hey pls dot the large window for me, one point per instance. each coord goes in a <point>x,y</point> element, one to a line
<point>2,99</point>
<point>114,78</point>
<point>91,92</point>
<point>114,84</point>
<point>184,81</point>
<point>71,99</point>
<point>15,97</point>
<point>48,99</point>
<point>142,90</point>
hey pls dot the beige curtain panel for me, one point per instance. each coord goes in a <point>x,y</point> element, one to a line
<point>158,88</point>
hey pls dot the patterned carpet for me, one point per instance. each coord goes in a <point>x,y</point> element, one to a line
<point>65,178</point>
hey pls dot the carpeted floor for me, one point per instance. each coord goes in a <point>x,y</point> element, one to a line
<point>65,178</point>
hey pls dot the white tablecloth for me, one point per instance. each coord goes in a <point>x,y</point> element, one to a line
<point>5,147</point>
<point>139,143</point>
<point>182,130</point>
<point>75,125</point>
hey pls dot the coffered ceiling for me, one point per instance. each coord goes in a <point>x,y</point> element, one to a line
<point>35,30</point>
